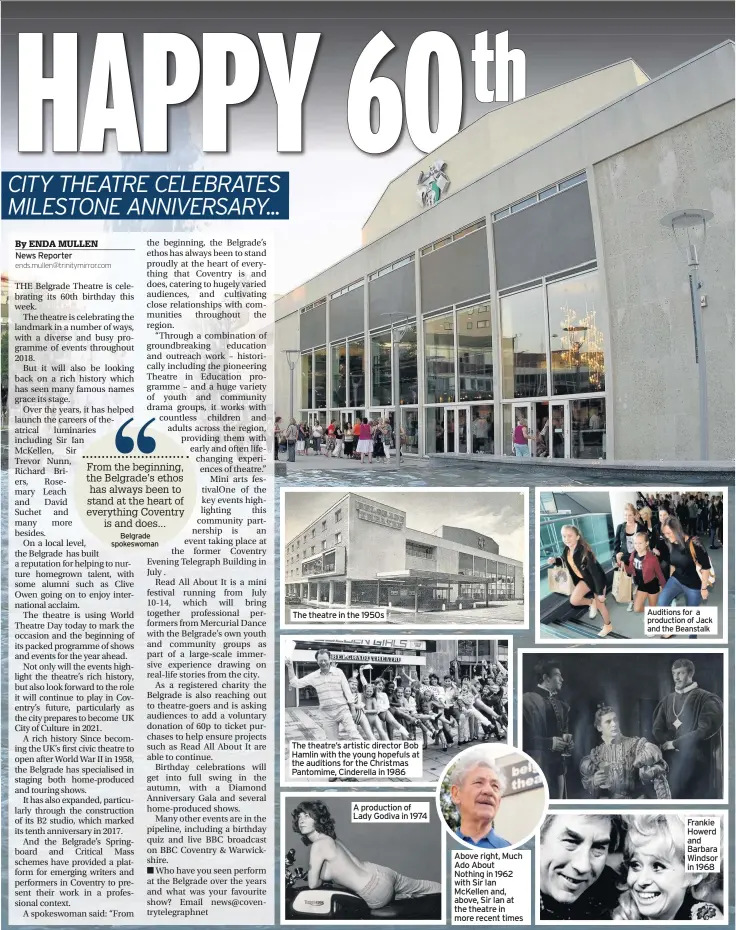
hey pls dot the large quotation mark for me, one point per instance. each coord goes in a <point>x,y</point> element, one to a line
<point>125,444</point>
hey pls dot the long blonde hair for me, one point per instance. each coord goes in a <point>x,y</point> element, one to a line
<point>582,541</point>
<point>671,830</point>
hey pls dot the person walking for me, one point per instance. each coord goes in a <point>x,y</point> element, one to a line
<point>587,575</point>
<point>276,438</point>
<point>623,545</point>
<point>521,439</point>
<point>644,568</point>
<point>692,573</point>
<point>377,435</point>
<point>658,544</point>
<point>365,442</point>
<point>316,437</point>
<point>356,434</point>
<point>713,523</point>
<point>301,439</point>
<point>291,435</point>
<point>348,437</point>
<point>331,441</point>
<point>339,440</point>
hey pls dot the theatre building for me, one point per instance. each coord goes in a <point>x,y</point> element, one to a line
<point>389,655</point>
<point>362,553</point>
<point>520,272</point>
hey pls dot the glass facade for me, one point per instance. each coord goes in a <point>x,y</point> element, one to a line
<point>306,380</point>
<point>356,372</point>
<point>523,353</point>
<point>549,350</point>
<point>474,353</point>
<point>576,342</point>
<point>439,358</point>
<point>381,369</point>
<point>339,373</point>
<point>320,378</point>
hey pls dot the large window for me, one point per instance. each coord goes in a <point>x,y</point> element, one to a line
<point>439,358</point>
<point>339,373</point>
<point>523,352</point>
<point>381,369</point>
<point>306,380</point>
<point>474,353</point>
<point>356,373</point>
<point>576,342</point>
<point>320,378</point>
<point>408,377</point>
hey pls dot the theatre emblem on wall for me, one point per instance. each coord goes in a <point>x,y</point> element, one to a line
<point>432,183</point>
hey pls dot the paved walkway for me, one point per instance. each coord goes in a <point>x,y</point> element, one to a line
<point>488,471</point>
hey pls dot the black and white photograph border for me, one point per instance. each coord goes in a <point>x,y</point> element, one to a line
<point>435,759</point>
<point>675,651</point>
<point>514,614</point>
<point>726,865</point>
<point>287,800</point>
<point>722,579</point>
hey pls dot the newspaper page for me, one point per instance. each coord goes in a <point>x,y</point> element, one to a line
<point>367,463</point>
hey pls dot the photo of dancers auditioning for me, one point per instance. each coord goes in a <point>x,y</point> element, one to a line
<point>605,555</point>
<point>341,869</point>
<point>624,726</point>
<point>444,693</point>
<point>621,867</point>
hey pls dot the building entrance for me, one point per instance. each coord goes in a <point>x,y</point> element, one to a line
<point>561,429</point>
<point>448,430</point>
<point>460,429</point>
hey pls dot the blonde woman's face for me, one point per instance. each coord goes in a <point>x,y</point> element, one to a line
<point>641,544</point>
<point>657,881</point>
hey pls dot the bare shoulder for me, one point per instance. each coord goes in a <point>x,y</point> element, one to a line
<point>327,846</point>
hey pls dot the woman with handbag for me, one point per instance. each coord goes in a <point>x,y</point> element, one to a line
<point>291,434</point>
<point>623,546</point>
<point>691,571</point>
<point>377,433</point>
<point>587,575</point>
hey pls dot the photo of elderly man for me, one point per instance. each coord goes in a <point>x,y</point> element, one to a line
<point>492,797</point>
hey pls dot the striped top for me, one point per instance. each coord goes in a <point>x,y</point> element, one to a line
<point>331,687</point>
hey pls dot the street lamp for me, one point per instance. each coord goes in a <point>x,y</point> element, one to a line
<point>689,228</point>
<point>291,356</point>
<point>397,334</point>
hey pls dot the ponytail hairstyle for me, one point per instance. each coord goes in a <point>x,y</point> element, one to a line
<point>645,537</point>
<point>582,542</point>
